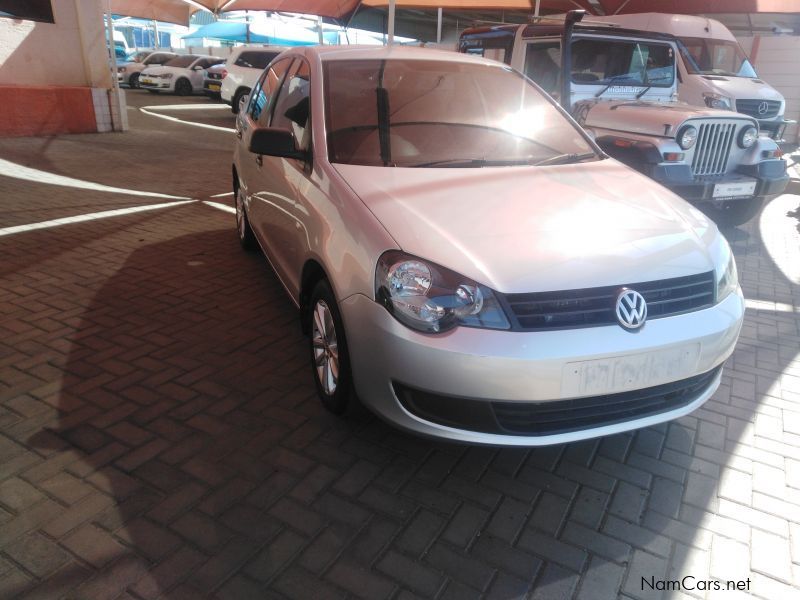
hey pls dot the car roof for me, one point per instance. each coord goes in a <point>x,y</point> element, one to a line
<point>355,52</point>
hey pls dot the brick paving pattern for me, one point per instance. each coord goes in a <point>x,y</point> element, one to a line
<point>160,435</point>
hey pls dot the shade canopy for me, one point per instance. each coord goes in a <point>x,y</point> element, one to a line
<point>277,35</point>
<point>179,11</point>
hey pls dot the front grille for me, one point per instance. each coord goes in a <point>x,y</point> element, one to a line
<point>593,307</point>
<point>712,148</point>
<point>751,107</point>
<point>558,416</point>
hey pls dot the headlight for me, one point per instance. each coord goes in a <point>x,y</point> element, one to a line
<point>167,76</point>
<point>687,137</point>
<point>748,136</point>
<point>717,101</point>
<point>728,280</point>
<point>121,69</point>
<point>430,298</point>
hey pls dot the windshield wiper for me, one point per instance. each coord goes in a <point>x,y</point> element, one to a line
<point>565,159</point>
<point>649,83</point>
<point>472,162</point>
<point>611,82</point>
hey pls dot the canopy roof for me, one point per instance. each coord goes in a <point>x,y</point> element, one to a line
<point>282,35</point>
<point>179,11</point>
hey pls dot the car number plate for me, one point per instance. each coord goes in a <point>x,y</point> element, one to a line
<point>732,190</point>
<point>214,86</point>
<point>148,81</point>
<point>623,373</point>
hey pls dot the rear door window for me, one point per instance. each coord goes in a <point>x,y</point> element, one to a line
<point>543,65</point>
<point>264,90</point>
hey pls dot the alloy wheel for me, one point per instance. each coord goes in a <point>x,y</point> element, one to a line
<point>326,349</point>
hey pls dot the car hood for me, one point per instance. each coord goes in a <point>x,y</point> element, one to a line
<point>528,229</point>
<point>742,87</point>
<point>645,118</point>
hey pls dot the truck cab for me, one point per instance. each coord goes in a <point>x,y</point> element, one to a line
<point>623,89</point>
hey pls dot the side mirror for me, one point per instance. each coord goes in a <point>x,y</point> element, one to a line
<point>273,141</point>
<point>197,68</point>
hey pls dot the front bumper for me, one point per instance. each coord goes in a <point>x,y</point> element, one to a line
<point>212,87</point>
<point>525,368</point>
<point>155,84</point>
<point>769,176</point>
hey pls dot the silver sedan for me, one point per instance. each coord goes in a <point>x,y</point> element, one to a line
<point>466,260</point>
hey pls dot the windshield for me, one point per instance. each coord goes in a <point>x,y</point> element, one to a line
<point>715,57</point>
<point>181,61</point>
<point>622,62</point>
<point>430,113</point>
<point>138,56</point>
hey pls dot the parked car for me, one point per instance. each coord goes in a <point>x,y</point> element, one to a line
<point>213,81</point>
<point>184,74</point>
<point>467,260</point>
<point>245,65</point>
<point>129,71</point>
<point>713,69</point>
<point>622,87</point>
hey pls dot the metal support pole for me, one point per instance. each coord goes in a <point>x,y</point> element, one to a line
<point>536,8</point>
<point>573,16</point>
<point>390,25</point>
<point>157,43</point>
<point>439,26</point>
<point>319,30</point>
<point>247,26</point>
<point>115,96</point>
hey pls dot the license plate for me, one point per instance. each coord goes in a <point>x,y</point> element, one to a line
<point>214,87</point>
<point>731,190</point>
<point>147,81</point>
<point>623,373</point>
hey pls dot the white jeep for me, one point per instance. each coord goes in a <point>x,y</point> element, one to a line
<point>622,88</point>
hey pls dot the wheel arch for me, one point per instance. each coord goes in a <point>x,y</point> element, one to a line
<point>312,273</point>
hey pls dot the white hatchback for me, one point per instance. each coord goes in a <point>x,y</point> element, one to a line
<point>245,65</point>
<point>184,75</point>
<point>467,260</point>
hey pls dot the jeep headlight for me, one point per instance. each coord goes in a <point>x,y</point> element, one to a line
<point>121,69</point>
<point>687,136</point>
<point>727,280</point>
<point>747,137</point>
<point>167,76</point>
<point>432,299</point>
<point>717,101</point>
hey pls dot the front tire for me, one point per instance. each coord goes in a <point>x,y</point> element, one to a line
<point>731,214</point>
<point>183,87</point>
<point>133,81</point>
<point>330,360</point>
<point>246,236</point>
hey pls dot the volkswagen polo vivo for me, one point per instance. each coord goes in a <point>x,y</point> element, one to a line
<point>467,262</point>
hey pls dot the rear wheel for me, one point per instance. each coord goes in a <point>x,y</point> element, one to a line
<point>733,213</point>
<point>330,360</point>
<point>246,237</point>
<point>237,98</point>
<point>183,87</point>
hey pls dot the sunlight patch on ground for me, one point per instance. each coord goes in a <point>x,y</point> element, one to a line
<point>88,217</point>
<point>150,110</point>
<point>219,206</point>
<point>10,169</point>
<point>780,235</point>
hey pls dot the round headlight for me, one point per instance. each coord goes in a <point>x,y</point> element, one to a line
<point>687,137</point>
<point>748,136</point>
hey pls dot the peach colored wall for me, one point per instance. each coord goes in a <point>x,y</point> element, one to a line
<point>34,110</point>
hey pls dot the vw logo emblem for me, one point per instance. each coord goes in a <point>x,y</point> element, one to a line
<point>631,309</point>
<point>763,108</point>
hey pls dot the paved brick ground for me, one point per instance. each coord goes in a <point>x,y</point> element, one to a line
<point>159,435</point>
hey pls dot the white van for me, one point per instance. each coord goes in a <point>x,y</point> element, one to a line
<point>713,70</point>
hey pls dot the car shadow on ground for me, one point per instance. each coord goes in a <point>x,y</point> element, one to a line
<point>187,407</point>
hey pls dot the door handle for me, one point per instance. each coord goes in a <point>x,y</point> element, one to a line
<point>239,133</point>
<point>259,160</point>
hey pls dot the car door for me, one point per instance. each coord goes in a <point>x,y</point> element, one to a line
<point>287,215</point>
<point>197,76</point>
<point>263,190</point>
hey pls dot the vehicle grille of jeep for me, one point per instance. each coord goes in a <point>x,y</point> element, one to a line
<point>713,148</point>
